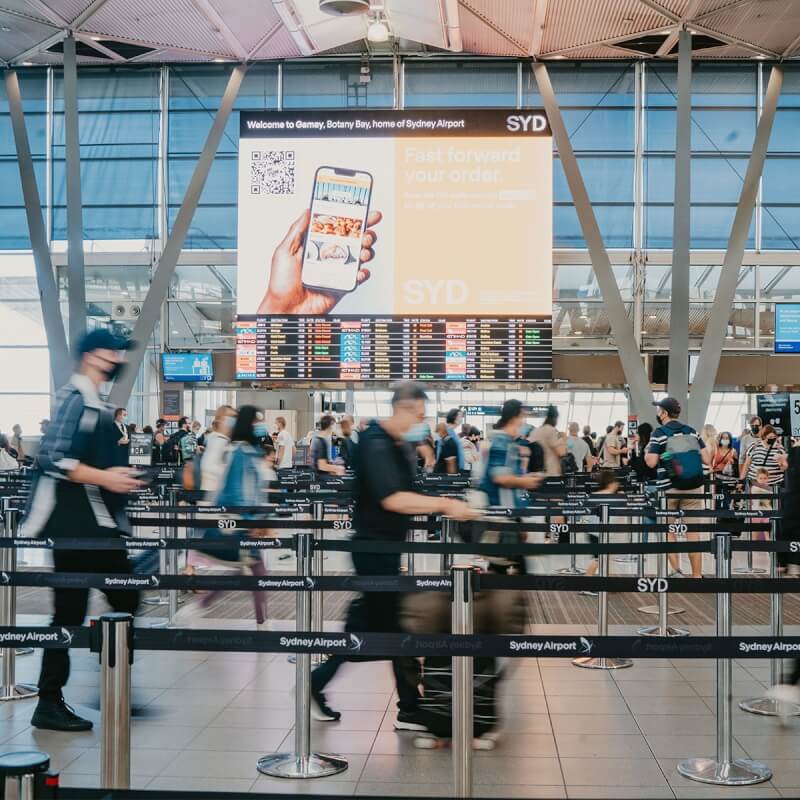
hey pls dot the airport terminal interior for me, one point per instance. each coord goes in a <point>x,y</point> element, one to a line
<point>462,337</point>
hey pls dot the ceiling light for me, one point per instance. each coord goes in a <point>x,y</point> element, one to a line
<point>760,57</point>
<point>652,316</point>
<point>27,64</point>
<point>95,38</point>
<point>557,57</point>
<point>378,31</point>
<point>628,21</point>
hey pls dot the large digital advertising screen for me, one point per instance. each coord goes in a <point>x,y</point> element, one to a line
<point>367,237</point>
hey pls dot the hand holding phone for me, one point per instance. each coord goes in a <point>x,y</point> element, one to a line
<point>287,293</point>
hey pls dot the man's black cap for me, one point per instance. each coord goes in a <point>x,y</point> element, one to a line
<point>102,339</point>
<point>670,405</point>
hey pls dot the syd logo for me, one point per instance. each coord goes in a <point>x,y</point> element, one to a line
<point>526,122</point>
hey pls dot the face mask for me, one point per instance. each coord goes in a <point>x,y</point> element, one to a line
<point>228,423</point>
<point>771,440</point>
<point>260,430</point>
<point>417,433</point>
<point>524,430</point>
<point>113,371</point>
<point>755,428</point>
<point>725,442</point>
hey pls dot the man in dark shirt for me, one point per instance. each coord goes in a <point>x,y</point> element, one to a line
<point>384,500</point>
<point>322,447</point>
<point>447,462</point>
<point>77,491</point>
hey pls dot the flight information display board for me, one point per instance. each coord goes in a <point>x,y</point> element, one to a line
<point>361,348</point>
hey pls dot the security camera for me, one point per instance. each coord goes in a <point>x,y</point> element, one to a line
<point>255,385</point>
<point>539,387</point>
<point>311,394</point>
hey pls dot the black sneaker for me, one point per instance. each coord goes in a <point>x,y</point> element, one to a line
<point>406,721</point>
<point>321,710</point>
<point>55,715</point>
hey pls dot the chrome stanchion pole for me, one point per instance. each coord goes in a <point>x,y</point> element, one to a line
<point>317,608</point>
<point>12,531</point>
<point>162,597</point>
<point>169,565</point>
<point>116,657</point>
<point>662,607</point>
<point>411,537</point>
<point>463,724</point>
<point>663,628</point>
<point>18,771</point>
<point>724,770</point>
<point>749,569</point>
<point>302,763</point>
<point>573,568</point>
<point>766,706</point>
<point>10,689</point>
<point>588,662</point>
<point>448,537</point>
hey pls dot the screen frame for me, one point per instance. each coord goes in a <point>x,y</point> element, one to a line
<point>775,349</point>
<point>187,378</point>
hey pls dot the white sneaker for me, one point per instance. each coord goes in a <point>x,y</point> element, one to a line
<point>485,742</point>
<point>787,698</point>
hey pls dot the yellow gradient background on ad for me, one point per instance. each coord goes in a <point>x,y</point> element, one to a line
<point>474,218</point>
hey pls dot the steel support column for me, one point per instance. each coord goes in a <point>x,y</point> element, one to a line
<point>76,287</point>
<point>678,385</point>
<point>159,286</point>
<point>717,326</point>
<point>621,327</point>
<point>60,362</point>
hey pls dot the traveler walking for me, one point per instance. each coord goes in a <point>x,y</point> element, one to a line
<point>347,441</point>
<point>749,437</point>
<point>123,442</point>
<point>613,447</point>
<point>767,453</point>
<point>77,491</point>
<point>679,454</point>
<point>552,443</point>
<point>16,442</point>
<point>384,500</point>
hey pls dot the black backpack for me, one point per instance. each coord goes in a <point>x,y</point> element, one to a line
<point>536,458</point>
<point>568,464</point>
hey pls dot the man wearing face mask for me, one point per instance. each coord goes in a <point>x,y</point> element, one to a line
<point>749,437</point>
<point>77,491</point>
<point>680,456</point>
<point>384,502</point>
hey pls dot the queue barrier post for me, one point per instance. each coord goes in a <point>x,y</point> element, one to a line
<point>448,537</point>
<point>662,609</point>
<point>589,662</point>
<point>573,568</point>
<point>461,622</point>
<point>161,598</point>
<point>724,770</point>
<point>317,599</point>
<point>302,763</point>
<point>749,569</point>
<point>9,688</point>
<point>116,657</point>
<point>19,771</point>
<point>766,706</point>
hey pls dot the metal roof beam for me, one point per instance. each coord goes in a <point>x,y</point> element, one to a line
<point>491,24</point>
<point>735,40</point>
<point>729,7</point>
<point>263,40</point>
<point>220,26</point>
<point>95,45</point>
<point>55,38</point>
<point>610,41</point>
<point>539,14</point>
<point>672,39</point>
<point>48,13</point>
<point>87,13</point>
<point>659,9</point>
<point>791,48</point>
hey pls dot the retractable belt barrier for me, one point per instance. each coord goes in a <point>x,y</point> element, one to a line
<point>401,644</point>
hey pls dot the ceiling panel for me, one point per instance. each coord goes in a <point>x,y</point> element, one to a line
<point>280,45</point>
<point>23,34</point>
<point>575,22</point>
<point>248,20</point>
<point>478,37</point>
<point>177,23</point>
<point>772,24</point>
<point>66,9</point>
<point>511,16</point>
<point>416,21</point>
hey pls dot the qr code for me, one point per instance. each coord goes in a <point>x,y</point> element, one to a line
<point>272,172</point>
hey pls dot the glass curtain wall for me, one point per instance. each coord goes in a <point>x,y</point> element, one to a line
<point>142,129</point>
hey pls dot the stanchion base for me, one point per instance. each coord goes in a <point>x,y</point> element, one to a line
<point>603,663</point>
<point>155,601</point>
<point>625,559</point>
<point>570,571</point>
<point>741,772</point>
<point>289,765</point>
<point>767,707</point>
<point>20,651</point>
<point>654,630</point>
<point>654,610</point>
<point>22,691</point>
<point>749,571</point>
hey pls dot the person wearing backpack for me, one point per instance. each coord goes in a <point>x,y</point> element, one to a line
<point>680,457</point>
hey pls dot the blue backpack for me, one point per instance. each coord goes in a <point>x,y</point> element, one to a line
<point>683,462</point>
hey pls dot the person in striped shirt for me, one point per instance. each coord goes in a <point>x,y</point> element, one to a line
<point>765,453</point>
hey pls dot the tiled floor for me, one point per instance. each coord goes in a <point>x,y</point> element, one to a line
<point>202,721</point>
